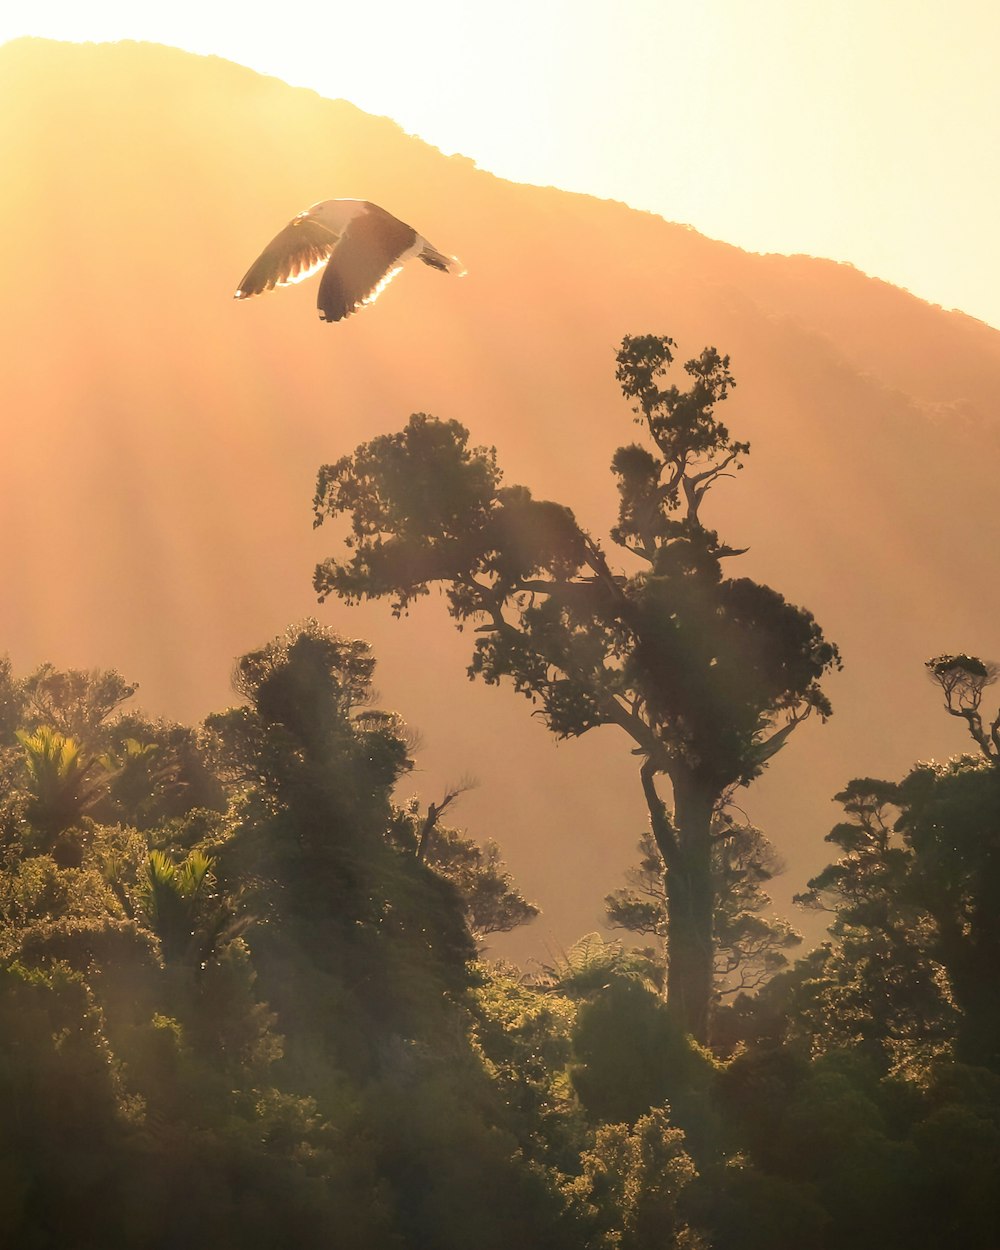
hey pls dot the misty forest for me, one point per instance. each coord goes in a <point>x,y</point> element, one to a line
<point>247,993</point>
<point>259,980</point>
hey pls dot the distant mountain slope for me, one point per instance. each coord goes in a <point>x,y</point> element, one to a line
<point>161,439</point>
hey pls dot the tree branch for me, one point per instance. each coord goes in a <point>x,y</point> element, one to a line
<point>434,811</point>
<point>659,818</point>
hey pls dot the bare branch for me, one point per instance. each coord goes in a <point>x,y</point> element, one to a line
<point>434,811</point>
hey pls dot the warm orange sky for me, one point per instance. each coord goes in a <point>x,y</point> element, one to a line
<point>862,131</point>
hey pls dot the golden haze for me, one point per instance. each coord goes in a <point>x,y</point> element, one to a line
<point>162,439</point>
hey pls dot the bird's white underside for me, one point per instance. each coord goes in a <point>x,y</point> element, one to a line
<point>307,272</point>
<point>382,284</point>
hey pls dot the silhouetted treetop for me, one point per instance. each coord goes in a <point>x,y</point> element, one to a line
<point>963,679</point>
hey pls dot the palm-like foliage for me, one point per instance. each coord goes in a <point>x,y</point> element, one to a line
<point>61,785</point>
<point>180,904</point>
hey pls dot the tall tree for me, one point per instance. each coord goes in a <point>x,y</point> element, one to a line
<point>913,896</point>
<point>340,902</point>
<point>877,985</point>
<point>950,818</point>
<point>707,675</point>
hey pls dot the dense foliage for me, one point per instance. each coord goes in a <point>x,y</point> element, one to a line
<point>242,1004</point>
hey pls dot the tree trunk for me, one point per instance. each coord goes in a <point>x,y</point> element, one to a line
<point>690,909</point>
<point>685,843</point>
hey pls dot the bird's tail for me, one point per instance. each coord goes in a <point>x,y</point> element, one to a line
<point>438,260</point>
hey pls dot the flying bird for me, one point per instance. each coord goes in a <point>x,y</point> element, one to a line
<point>358,245</point>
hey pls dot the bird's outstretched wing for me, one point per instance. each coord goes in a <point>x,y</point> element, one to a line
<point>363,263</point>
<point>299,250</point>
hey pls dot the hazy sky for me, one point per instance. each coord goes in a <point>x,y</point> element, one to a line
<point>862,130</point>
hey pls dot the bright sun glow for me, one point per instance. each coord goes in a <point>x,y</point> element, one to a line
<point>865,133</point>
